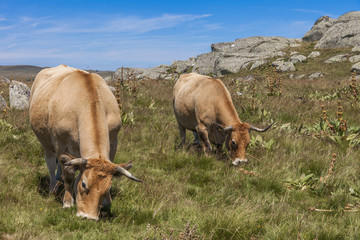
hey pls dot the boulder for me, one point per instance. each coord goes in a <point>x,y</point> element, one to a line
<point>356,67</point>
<point>231,64</point>
<point>300,77</point>
<point>337,58</point>
<point>297,59</point>
<point>283,66</point>
<point>355,58</point>
<point>3,104</point>
<point>183,66</point>
<point>345,32</point>
<point>19,94</point>
<point>159,72</point>
<point>314,54</point>
<point>258,63</point>
<point>320,27</point>
<point>205,63</point>
<point>316,75</point>
<point>356,48</point>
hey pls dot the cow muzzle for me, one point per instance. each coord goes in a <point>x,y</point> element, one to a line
<point>87,216</point>
<point>239,161</point>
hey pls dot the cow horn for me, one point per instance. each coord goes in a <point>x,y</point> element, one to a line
<point>76,161</point>
<point>259,129</point>
<point>125,172</point>
<point>226,129</point>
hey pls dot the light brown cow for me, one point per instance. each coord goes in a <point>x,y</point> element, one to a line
<point>74,113</point>
<point>203,105</point>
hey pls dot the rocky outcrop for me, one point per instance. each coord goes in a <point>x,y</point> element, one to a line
<point>314,54</point>
<point>356,67</point>
<point>355,58</point>
<point>19,94</point>
<point>297,59</point>
<point>337,58</point>
<point>283,66</point>
<point>321,26</point>
<point>345,32</point>
<point>159,72</point>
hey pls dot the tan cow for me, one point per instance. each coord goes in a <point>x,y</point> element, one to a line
<point>203,105</point>
<point>74,113</point>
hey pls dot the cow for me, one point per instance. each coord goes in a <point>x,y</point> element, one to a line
<point>76,118</point>
<point>203,105</point>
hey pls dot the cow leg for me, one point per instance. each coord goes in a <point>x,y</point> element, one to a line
<point>196,138</point>
<point>182,132</point>
<point>68,177</point>
<point>50,159</point>
<point>203,133</point>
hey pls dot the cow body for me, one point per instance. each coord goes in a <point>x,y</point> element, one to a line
<point>203,105</point>
<point>76,119</point>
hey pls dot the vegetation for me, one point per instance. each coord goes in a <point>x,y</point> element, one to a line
<point>302,180</point>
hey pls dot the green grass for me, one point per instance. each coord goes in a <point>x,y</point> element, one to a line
<point>190,195</point>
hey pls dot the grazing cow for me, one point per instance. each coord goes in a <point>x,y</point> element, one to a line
<point>203,105</point>
<point>76,119</point>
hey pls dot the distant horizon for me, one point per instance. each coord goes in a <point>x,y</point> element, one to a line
<point>106,35</point>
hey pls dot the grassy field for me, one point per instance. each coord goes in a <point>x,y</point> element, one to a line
<point>302,180</point>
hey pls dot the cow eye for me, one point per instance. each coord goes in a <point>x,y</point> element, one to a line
<point>233,144</point>
<point>83,185</point>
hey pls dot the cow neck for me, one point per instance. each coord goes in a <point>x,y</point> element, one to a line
<point>227,114</point>
<point>93,127</point>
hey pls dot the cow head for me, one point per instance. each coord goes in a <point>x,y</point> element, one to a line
<point>94,182</point>
<point>237,139</point>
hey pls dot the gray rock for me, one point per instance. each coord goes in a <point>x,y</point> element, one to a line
<point>258,63</point>
<point>344,33</point>
<point>291,75</point>
<point>355,58</point>
<point>297,59</point>
<point>320,27</point>
<point>314,54</point>
<point>183,66</point>
<point>159,72</point>
<point>294,53</point>
<point>3,104</point>
<point>356,67</point>
<point>4,80</point>
<point>337,58</point>
<point>19,94</point>
<point>284,66</point>
<point>231,64</point>
<point>356,48</point>
<point>316,75</point>
<point>205,63</point>
<point>300,77</point>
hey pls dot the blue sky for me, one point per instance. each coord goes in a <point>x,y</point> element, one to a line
<point>106,35</point>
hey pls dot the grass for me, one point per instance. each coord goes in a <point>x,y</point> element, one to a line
<point>189,195</point>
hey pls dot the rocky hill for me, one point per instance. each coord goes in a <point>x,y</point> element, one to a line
<point>253,52</point>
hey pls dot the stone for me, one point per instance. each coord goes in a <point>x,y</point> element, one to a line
<point>284,66</point>
<point>356,48</point>
<point>314,54</point>
<point>258,63</point>
<point>356,67</point>
<point>19,94</point>
<point>345,32</point>
<point>355,58</point>
<point>316,75</point>
<point>300,77</point>
<point>205,63</point>
<point>231,64</point>
<point>320,27</point>
<point>337,58</point>
<point>183,66</point>
<point>297,59</point>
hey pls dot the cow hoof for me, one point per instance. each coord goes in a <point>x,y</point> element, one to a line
<point>239,161</point>
<point>84,215</point>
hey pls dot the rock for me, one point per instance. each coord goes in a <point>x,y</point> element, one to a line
<point>294,53</point>
<point>159,72</point>
<point>300,77</point>
<point>337,58</point>
<point>284,66</point>
<point>320,27</point>
<point>297,59</point>
<point>314,54</point>
<point>4,80</point>
<point>230,64</point>
<point>3,104</point>
<point>316,75</point>
<point>183,66</point>
<point>356,48</point>
<point>125,73</point>
<point>291,75</point>
<point>19,94</point>
<point>108,79</point>
<point>345,32</point>
<point>205,63</point>
<point>356,67</point>
<point>355,58</point>
<point>113,90</point>
<point>258,63</point>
